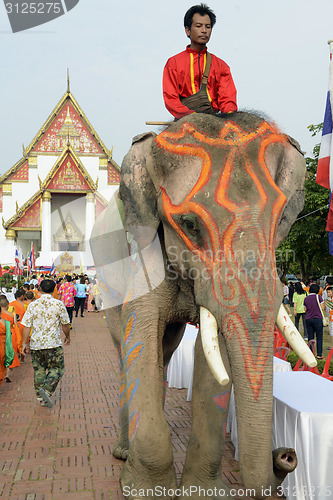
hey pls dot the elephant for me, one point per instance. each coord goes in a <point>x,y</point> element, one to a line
<point>191,237</point>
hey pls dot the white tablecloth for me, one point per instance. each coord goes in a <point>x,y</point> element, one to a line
<point>279,365</point>
<point>180,369</point>
<point>303,419</point>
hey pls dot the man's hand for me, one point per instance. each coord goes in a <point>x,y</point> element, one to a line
<point>66,330</point>
<point>24,350</point>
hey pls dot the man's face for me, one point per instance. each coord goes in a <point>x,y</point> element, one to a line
<point>200,31</point>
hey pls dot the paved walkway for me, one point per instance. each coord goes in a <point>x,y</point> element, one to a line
<point>66,452</point>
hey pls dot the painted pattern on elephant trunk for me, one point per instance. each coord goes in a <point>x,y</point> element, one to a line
<point>220,247</point>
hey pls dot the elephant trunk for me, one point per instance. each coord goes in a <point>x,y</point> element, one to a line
<point>284,461</point>
<point>251,361</point>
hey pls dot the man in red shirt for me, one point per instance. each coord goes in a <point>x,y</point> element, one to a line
<point>183,73</point>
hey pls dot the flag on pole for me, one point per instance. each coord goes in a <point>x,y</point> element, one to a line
<point>325,161</point>
<point>29,263</point>
<point>32,255</point>
<point>17,262</point>
<point>52,271</point>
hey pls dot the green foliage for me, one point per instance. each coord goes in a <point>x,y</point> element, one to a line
<point>293,358</point>
<point>7,281</point>
<point>305,251</point>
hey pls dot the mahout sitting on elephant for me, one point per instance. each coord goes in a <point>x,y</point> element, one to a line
<point>191,237</point>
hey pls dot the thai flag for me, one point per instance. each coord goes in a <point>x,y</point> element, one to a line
<point>325,162</point>
<point>17,262</point>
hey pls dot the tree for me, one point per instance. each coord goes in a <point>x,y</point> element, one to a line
<point>305,250</point>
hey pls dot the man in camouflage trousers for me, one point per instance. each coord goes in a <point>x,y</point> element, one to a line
<point>45,316</point>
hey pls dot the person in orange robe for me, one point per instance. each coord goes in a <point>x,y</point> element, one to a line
<point>17,307</point>
<point>6,315</point>
<point>2,346</point>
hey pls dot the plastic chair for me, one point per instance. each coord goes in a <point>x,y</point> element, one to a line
<point>325,373</point>
<point>281,352</point>
<point>300,366</point>
<point>279,340</point>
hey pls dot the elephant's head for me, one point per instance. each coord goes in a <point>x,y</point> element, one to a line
<point>223,193</point>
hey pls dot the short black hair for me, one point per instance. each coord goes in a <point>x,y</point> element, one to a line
<point>68,278</point>
<point>201,9</point>
<point>20,293</point>
<point>30,295</point>
<point>314,288</point>
<point>47,286</point>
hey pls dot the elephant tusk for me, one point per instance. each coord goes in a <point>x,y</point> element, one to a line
<point>294,338</point>
<point>210,345</point>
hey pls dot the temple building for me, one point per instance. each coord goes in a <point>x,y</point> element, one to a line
<point>53,194</point>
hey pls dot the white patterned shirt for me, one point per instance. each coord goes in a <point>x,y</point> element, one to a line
<point>45,315</point>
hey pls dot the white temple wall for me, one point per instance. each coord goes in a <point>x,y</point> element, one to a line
<point>45,164</point>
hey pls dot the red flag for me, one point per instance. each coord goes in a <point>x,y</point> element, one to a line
<point>0,271</point>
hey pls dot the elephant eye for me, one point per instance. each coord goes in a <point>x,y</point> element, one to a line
<point>190,225</point>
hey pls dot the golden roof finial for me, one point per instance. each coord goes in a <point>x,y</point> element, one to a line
<point>3,223</point>
<point>110,153</point>
<point>40,182</point>
<point>17,207</point>
<point>23,149</point>
<point>96,184</point>
<point>68,86</point>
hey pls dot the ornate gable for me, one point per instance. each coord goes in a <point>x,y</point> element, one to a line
<point>113,174</point>
<point>68,175</point>
<point>66,123</point>
<point>68,126</point>
<point>21,174</point>
<point>28,217</point>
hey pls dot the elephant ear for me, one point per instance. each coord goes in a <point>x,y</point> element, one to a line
<point>137,191</point>
<point>290,177</point>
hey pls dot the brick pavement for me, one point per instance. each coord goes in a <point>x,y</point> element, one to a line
<point>66,451</point>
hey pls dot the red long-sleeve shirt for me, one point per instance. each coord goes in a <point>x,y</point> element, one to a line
<point>182,77</point>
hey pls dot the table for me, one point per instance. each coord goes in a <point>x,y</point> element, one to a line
<point>279,365</point>
<point>303,420</point>
<point>180,369</point>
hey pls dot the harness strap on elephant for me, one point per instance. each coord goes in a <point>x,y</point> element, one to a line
<point>199,102</point>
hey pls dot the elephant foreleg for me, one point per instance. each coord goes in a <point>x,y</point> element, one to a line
<point>150,458</point>
<point>210,402</point>
<point>121,447</point>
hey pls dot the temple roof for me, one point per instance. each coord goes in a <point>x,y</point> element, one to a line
<point>66,122</point>
<point>68,175</point>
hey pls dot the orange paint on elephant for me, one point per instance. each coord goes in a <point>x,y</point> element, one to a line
<point>243,216</point>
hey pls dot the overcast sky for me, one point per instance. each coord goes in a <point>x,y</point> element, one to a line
<point>116,51</point>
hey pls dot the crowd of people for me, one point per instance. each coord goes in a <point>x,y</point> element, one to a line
<point>77,293</point>
<point>314,306</point>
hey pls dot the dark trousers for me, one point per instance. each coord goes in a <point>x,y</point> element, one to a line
<point>315,326</point>
<point>79,305</point>
<point>297,318</point>
<point>70,313</point>
<point>49,367</point>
